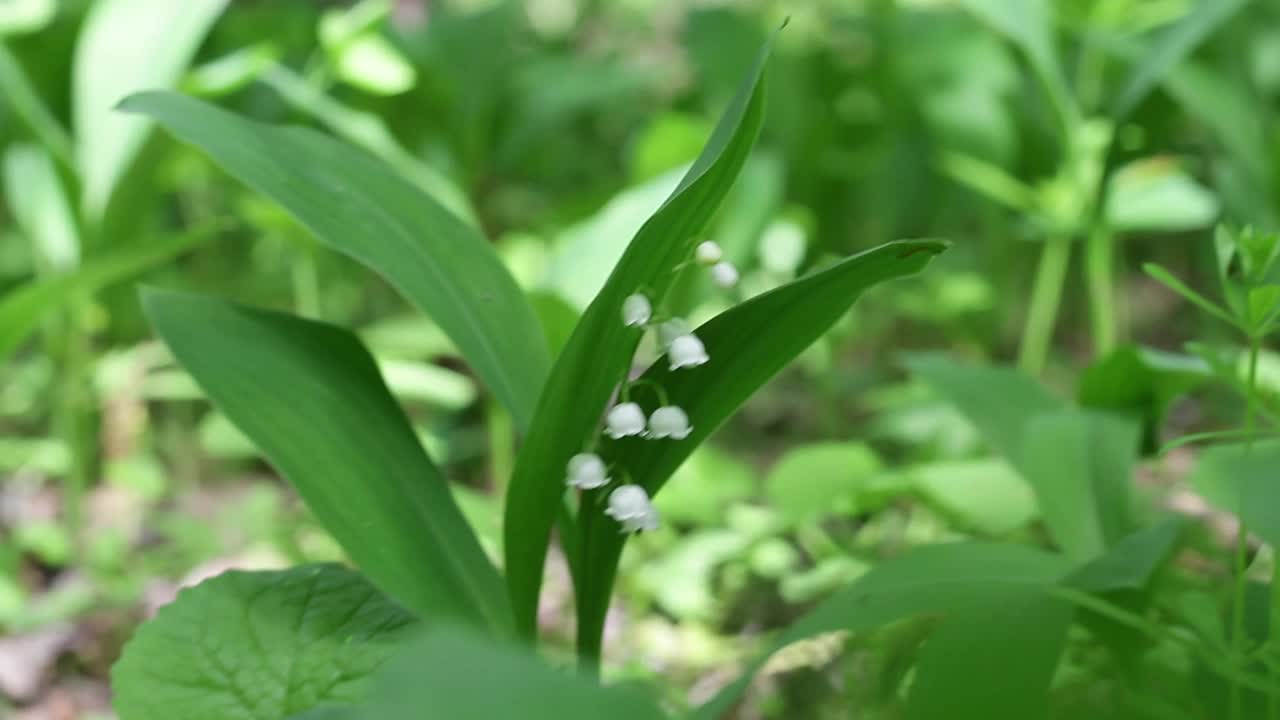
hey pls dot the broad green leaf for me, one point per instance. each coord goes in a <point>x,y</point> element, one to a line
<point>992,660</point>
<point>358,206</point>
<point>126,46</point>
<point>21,96</point>
<point>1080,465</point>
<point>311,397</point>
<point>259,646</point>
<point>599,352</point>
<point>809,482</point>
<point>449,673</point>
<point>39,203</point>
<point>998,401</point>
<point>747,346</point>
<point>22,309</point>
<point>1173,46</point>
<point>1141,383</point>
<point>367,130</point>
<point>929,580</point>
<point>1241,479</point>
<point>1155,195</point>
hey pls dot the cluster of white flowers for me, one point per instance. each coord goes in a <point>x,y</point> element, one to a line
<point>629,504</point>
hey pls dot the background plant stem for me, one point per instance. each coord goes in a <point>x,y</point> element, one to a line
<point>1045,299</point>
<point>1100,274</point>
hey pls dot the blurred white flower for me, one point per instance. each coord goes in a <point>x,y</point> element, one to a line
<point>672,329</point>
<point>687,351</point>
<point>636,310</point>
<point>587,472</point>
<point>724,274</point>
<point>669,422</point>
<point>624,420</point>
<point>630,505</point>
<point>708,253</point>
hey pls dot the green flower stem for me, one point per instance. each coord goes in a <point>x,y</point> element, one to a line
<point>1045,299</point>
<point>1238,649</point>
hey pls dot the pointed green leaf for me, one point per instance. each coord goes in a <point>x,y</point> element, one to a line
<point>599,352</point>
<point>360,207</point>
<point>126,46</point>
<point>21,96</point>
<point>1173,46</point>
<point>929,580</point>
<point>991,660</point>
<point>1167,279</point>
<point>310,396</point>
<point>1132,562</point>
<point>39,203</point>
<point>21,310</point>
<point>747,346</point>
<point>259,646</point>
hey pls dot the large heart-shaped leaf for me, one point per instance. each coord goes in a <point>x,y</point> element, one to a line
<point>747,345</point>
<point>449,673</point>
<point>311,397</point>
<point>599,352</point>
<point>259,646</point>
<point>360,207</point>
<point>928,580</point>
<point>126,46</point>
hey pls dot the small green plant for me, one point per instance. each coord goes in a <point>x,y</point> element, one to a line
<point>274,645</point>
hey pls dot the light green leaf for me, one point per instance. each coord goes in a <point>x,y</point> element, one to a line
<point>312,399</point>
<point>600,349</point>
<point>809,482</point>
<point>1173,46</point>
<point>448,673</point>
<point>21,96</point>
<point>985,495</point>
<point>39,203</point>
<point>1155,195</point>
<point>928,580</point>
<point>1080,465</point>
<point>231,72</point>
<point>747,346</point>
<point>126,46</point>
<point>993,659</point>
<point>358,206</point>
<point>259,646</point>
<point>24,16</point>
<point>22,309</point>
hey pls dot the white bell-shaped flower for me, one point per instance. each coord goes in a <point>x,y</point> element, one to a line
<point>636,310</point>
<point>687,351</point>
<point>624,420</point>
<point>629,505</point>
<point>724,274</point>
<point>708,253</point>
<point>669,422</point>
<point>672,329</point>
<point>587,472</point>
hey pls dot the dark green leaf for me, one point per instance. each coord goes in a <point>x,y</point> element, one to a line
<point>360,207</point>
<point>599,352</point>
<point>928,580</point>
<point>1131,563</point>
<point>1171,48</point>
<point>998,401</point>
<point>1141,383</point>
<point>747,346</point>
<point>312,399</point>
<point>448,673</point>
<point>20,95</point>
<point>259,646</point>
<point>992,660</point>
